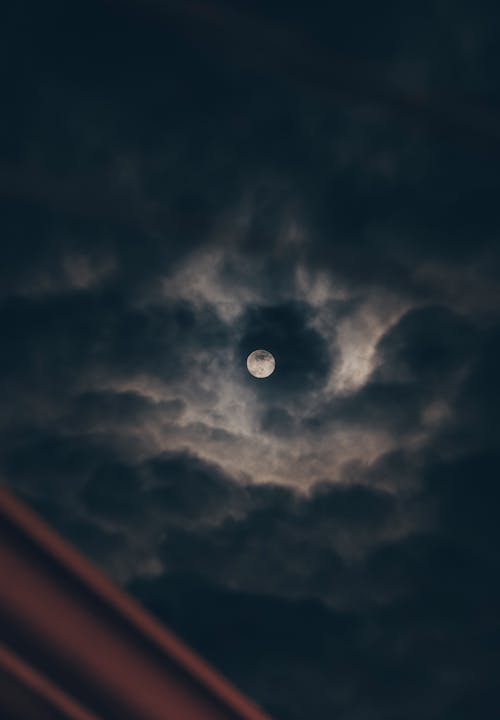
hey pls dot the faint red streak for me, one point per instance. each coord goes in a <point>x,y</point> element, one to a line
<point>80,640</point>
<point>38,690</point>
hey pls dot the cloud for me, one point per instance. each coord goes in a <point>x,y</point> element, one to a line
<point>429,346</point>
<point>327,536</point>
<point>301,353</point>
<point>409,637</point>
<point>276,420</point>
<point>357,585</point>
<point>418,365</point>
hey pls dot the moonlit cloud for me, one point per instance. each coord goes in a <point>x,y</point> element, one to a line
<point>322,183</point>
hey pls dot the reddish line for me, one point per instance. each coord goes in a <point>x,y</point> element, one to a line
<point>41,687</point>
<point>16,598</point>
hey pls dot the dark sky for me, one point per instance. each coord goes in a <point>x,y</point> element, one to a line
<point>184,182</point>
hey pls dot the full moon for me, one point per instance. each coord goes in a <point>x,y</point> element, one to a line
<point>260,363</point>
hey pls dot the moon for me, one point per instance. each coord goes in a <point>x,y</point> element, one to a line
<point>261,363</point>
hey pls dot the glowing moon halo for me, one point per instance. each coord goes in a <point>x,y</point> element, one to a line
<point>260,363</point>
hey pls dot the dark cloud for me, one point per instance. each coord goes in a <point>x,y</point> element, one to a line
<point>425,642</point>
<point>301,353</point>
<point>115,409</point>
<point>276,420</point>
<point>122,154</point>
<point>479,395</point>
<point>427,346</point>
<point>114,491</point>
<point>339,596</point>
<point>49,464</point>
<point>419,360</point>
<point>183,183</point>
<point>53,343</point>
<point>190,490</point>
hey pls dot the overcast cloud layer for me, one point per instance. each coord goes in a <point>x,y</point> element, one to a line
<point>183,183</point>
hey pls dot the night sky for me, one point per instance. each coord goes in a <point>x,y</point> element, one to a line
<point>185,182</point>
